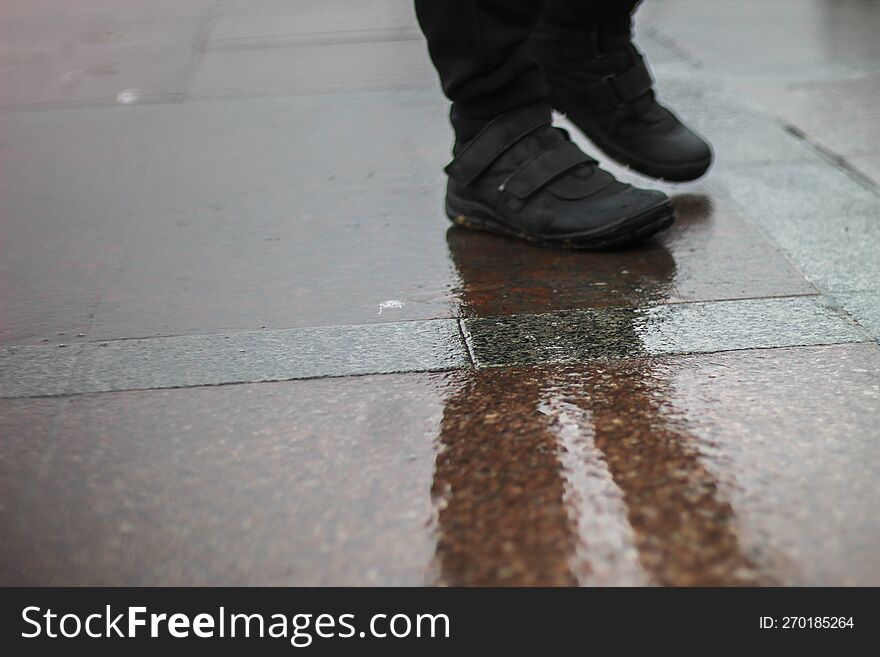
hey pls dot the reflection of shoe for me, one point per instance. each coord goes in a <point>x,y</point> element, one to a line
<point>522,177</point>
<point>600,81</point>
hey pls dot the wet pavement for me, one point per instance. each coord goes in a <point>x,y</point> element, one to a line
<point>240,343</point>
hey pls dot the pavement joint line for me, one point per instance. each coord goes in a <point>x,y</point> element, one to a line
<point>465,336</point>
<point>835,159</point>
<point>98,102</point>
<point>201,47</point>
<point>420,346</point>
<point>305,40</point>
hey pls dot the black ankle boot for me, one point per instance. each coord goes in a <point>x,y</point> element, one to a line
<point>600,81</point>
<point>522,177</point>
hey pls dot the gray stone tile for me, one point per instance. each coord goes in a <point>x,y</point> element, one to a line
<point>245,19</point>
<point>838,256</point>
<point>292,69</point>
<point>840,115</point>
<point>677,328</point>
<point>270,356</point>
<point>214,216</point>
<point>33,371</point>
<point>868,164</point>
<point>658,50</point>
<point>864,307</point>
<point>810,193</point>
<point>782,40</point>
<point>825,221</point>
<point>748,324</point>
<point>99,56</point>
<point>560,337</point>
<point>92,32</point>
<point>422,346</point>
<point>46,84</point>
<point>42,9</point>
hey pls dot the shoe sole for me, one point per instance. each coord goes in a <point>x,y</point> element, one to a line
<point>687,172</point>
<point>621,233</point>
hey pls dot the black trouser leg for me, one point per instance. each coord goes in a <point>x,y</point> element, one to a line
<point>477,48</point>
<point>588,13</point>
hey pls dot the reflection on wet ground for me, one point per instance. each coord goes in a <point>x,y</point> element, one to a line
<point>579,476</point>
<point>710,253</point>
<point>536,465</point>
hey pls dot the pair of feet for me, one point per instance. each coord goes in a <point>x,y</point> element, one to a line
<point>523,177</point>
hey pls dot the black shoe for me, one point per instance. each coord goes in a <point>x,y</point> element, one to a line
<point>600,81</point>
<point>520,176</point>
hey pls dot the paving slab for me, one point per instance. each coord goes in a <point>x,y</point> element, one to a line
<point>584,335</point>
<point>117,55</point>
<point>415,346</point>
<point>815,109</point>
<point>16,9</point>
<point>868,164</point>
<point>248,19</point>
<point>839,256</point>
<point>27,370</point>
<point>213,216</point>
<point>269,356</point>
<point>176,231</point>
<point>826,221</point>
<point>291,69</point>
<point>808,192</point>
<point>738,468</point>
<point>232,485</point>
<point>710,253</point>
<point>781,40</point>
<point>796,456</point>
<point>864,307</point>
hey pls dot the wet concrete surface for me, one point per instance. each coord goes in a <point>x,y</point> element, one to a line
<point>224,248</point>
<point>709,254</point>
<point>779,41</point>
<point>864,307</point>
<point>269,356</point>
<point>738,468</point>
<point>52,54</point>
<point>253,189</point>
<point>868,165</point>
<point>316,484</point>
<point>575,336</point>
<point>559,337</point>
<point>814,108</point>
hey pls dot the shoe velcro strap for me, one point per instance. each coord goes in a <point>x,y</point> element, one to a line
<point>617,90</point>
<point>544,168</point>
<point>491,143</point>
